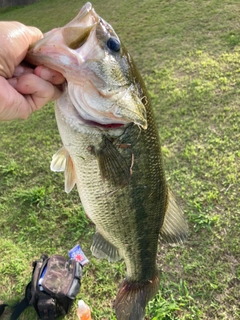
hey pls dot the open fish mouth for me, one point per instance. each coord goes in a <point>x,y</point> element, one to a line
<point>89,54</point>
<point>59,49</point>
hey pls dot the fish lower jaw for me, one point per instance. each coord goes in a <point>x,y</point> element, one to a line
<point>80,125</point>
<point>104,126</point>
<point>92,126</point>
<point>66,110</point>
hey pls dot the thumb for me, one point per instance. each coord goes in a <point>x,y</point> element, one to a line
<point>33,34</point>
<point>29,35</point>
<point>14,43</point>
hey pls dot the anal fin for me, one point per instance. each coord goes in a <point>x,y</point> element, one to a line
<point>101,248</point>
<point>174,228</point>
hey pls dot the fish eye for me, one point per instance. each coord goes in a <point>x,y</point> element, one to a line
<point>113,44</point>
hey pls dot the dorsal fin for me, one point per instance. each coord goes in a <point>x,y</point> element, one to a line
<point>61,161</point>
<point>174,228</point>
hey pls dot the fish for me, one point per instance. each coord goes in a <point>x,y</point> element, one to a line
<point>111,151</point>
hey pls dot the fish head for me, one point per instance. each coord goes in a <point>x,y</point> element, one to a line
<point>102,81</point>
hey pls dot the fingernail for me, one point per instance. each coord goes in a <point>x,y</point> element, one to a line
<point>19,70</point>
<point>13,82</point>
<point>45,74</point>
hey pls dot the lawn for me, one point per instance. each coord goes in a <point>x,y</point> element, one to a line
<point>188,52</point>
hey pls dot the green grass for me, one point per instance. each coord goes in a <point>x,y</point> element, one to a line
<point>189,55</point>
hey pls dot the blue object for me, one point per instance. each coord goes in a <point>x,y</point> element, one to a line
<point>77,254</point>
<point>41,278</point>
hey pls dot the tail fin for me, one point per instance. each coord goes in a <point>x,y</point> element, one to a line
<point>133,297</point>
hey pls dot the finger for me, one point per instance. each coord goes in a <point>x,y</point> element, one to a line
<point>43,72</point>
<point>37,92</point>
<point>11,102</point>
<point>21,69</point>
<point>30,84</point>
<point>50,75</point>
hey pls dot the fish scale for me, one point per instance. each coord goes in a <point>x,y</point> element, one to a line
<point>129,217</point>
<point>111,151</point>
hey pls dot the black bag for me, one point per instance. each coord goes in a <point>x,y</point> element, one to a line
<point>52,294</point>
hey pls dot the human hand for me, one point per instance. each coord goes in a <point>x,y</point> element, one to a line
<point>23,90</point>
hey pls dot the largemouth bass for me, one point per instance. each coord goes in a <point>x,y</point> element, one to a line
<point>111,151</point>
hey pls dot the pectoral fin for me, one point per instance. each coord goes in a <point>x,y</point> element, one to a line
<point>174,227</point>
<point>113,167</point>
<point>69,174</point>
<point>61,161</point>
<point>101,248</point>
<point>58,163</point>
